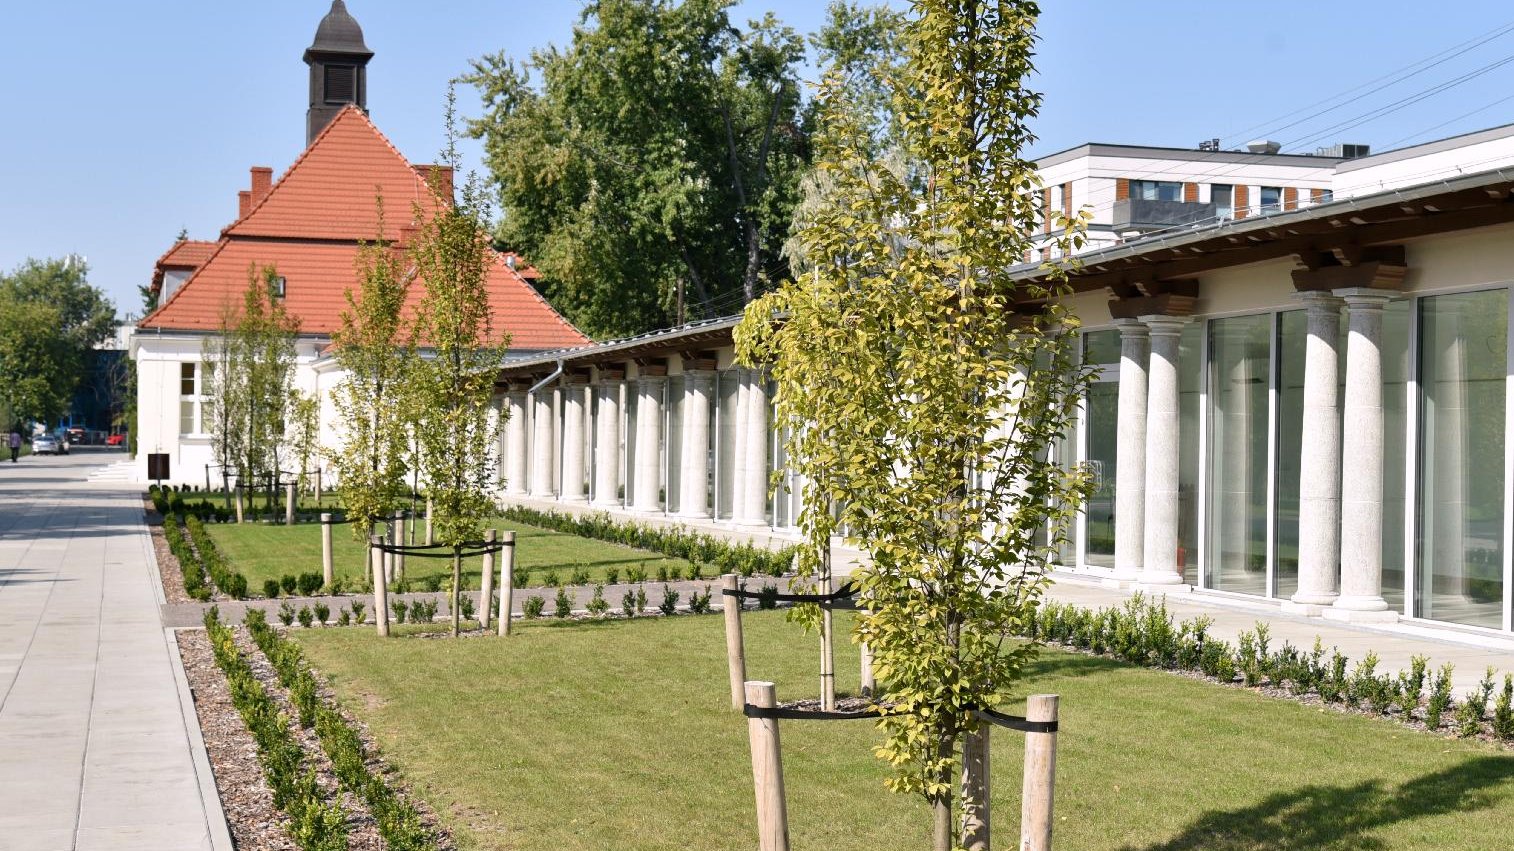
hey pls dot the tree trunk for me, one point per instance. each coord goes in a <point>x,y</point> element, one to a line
<point>457,588</point>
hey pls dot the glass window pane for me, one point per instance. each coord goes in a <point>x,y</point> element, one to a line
<point>186,417</point>
<point>186,379</point>
<point>728,383</point>
<point>1395,355</point>
<point>1239,350</point>
<point>1272,199</point>
<point>1101,436</point>
<point>1190,393</point>
<point>1462,372</point>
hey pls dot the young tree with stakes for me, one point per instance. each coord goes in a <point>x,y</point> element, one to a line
<point>452,256</point>
<point>259,368</point>
<point>925,386</point>
<point>376,352</point>
<point>222,388</point>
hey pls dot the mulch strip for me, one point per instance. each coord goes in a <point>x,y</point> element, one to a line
<point>245,795</point>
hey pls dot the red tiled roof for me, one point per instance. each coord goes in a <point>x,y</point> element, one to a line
<point>308,227</point>
<point>317,276</point>
<point>187,254</point>
<point>331,190</point>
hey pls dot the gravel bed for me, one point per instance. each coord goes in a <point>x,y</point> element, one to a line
<point>245,796</point>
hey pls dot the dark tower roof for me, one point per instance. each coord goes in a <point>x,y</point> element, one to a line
<point>338,61</point>
<point>338,33</point>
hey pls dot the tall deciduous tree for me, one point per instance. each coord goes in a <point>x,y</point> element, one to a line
<point>925,386</point>
<point>222,388</point>
<point>452,256</point>
<point>652,161</point>
<point>261,366</point>
<point>50,317</point>
<point>376,350</point>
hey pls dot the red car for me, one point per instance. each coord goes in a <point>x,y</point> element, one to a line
<point>115,440</point>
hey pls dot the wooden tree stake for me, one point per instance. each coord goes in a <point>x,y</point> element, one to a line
<point>327,571</point>
<point>767,770</point>
<point>1040,776</point>
<point>486,588</point>
<point>380,588</point>
<point>429,539</point>
<point>868,683</point>
<point>827,654</point>
<point>506,582</point>
<point>239,502</point>
<point>975,789</point>
<point>291,495</point>
<point>735,648</point>
<point>398,533</point>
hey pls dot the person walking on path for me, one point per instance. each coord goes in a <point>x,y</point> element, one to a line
<point>15,444</point>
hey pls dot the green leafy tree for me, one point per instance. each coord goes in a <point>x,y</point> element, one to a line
<point>924,386</point>
<point>304,430</point>
<point>260,365</point>
<point>34,361</point>
<point>452,256</point>
<point>375,350</point>
<point>223,388</point>
<point>651,163</point>
<point>50,317</point>
<point>860,47</point>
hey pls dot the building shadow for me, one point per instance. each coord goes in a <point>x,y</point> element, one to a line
<point>1344,818</point>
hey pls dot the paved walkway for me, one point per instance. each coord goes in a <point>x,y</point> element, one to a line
<point>95,749</point>
<point>1394,644</point>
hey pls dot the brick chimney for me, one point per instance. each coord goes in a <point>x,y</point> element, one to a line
<point>443,177</point>
<point>262,181</point>
<point>244,203</point>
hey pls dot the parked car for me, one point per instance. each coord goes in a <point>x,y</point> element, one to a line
<point>75,436</point>
<point>48,445</point>
<point>116,440</point>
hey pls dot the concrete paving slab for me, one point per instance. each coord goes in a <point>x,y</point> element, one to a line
<point>96,745</point>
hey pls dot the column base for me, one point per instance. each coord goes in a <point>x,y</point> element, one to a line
<point>749,523</point>
<point>607,506</point>
<point>1121,583</point>
<point>697,515</point>
<point>1310,605</point>
<point>1162,584</point>
<point>515,493</point>
<point>1336,613</point>
<point>574,499</point>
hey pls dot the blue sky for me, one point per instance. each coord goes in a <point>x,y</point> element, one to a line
<point>120,123</point>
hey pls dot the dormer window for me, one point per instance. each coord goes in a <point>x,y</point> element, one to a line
<point>341,83</point>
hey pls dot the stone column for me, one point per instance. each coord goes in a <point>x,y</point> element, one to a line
<point>515,443</point>
<point>574,410</point>
<point>1130,451</point>
<point>541,444</point>
<point>607,445</point>
<point>1361,596</point>
<point>1319,503</point>
<point>1159,570</point>
<point>753,479</point>
<point>694,465</point>
<point>648,481</point>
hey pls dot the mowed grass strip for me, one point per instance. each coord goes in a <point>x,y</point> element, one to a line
<point>620,735</point>
<point>263,552</point>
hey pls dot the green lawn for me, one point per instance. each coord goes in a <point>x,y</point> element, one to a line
<point>262,552</point>
<point>619,735</point>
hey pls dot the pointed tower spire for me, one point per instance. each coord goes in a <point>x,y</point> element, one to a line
<point>338,61</point>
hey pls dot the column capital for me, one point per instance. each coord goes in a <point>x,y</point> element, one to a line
<point>1318,300</point>
<point>1163,325</point>
<point>1131,327</point>
<point>651,380</point>
<point>1366,298</point>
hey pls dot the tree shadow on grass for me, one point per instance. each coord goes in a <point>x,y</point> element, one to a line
<point>1343,818</point>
